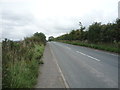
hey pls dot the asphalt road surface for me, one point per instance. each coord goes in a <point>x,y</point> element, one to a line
<point>85,67</point>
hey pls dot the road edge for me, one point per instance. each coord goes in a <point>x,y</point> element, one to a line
<point>59,69</point>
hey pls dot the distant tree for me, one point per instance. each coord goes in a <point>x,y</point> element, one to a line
<point>94,32</point>
<point>117,31</point>
<point>51,38</point>
<point>40,37</point>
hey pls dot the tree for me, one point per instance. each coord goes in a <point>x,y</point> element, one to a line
<point>40,37</point>
<point>81,31</point>
<point>94,32</point>
<point>51,38</point>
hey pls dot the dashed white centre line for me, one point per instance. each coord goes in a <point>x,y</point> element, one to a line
<point>114,55</point>
<point>88,56</point>
<point>68,48</point>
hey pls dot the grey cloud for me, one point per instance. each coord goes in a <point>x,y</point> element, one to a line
<point>16,26</point>
<point>57,25</point>
<point>15,19</point>
<point>17,22</point>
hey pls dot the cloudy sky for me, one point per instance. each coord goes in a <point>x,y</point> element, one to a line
<point>22,18</point>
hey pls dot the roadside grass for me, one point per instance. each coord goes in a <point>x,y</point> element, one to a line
<point>39,49</point>
<point>23,73</point>
<point>107,47</point>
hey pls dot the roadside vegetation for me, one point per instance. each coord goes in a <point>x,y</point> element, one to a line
<point>102,46</point>
<point>97,35</point>
<point>21,60</point>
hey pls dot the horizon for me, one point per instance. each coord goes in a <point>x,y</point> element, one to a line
<point>23,18</point>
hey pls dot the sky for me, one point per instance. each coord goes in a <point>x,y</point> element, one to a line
<point>22,18</point>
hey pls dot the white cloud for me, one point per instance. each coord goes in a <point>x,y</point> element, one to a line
<point>22,18</point>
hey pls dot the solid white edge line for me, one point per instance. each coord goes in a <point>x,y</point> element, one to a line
<point>108,53</point>
<point>88,56</point>
<point>66,85</point>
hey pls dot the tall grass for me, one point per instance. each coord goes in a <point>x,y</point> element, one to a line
<point>21,63</point>
<point>22,74</point>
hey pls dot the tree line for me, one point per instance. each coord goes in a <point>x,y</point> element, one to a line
<point>95,33</point>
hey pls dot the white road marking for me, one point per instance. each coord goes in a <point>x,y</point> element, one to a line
<point>54,42</point>
<point>64,46</point>
<point>68,48</point>
<point>65,82</point>
<point>114,55</point>
<point>94,50</point>
<point>88,56</point>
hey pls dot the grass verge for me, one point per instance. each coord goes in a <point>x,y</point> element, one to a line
<point>107,47</point>
<point>23,73</point>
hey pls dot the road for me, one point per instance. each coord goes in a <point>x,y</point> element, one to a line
<point>84,67</point>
